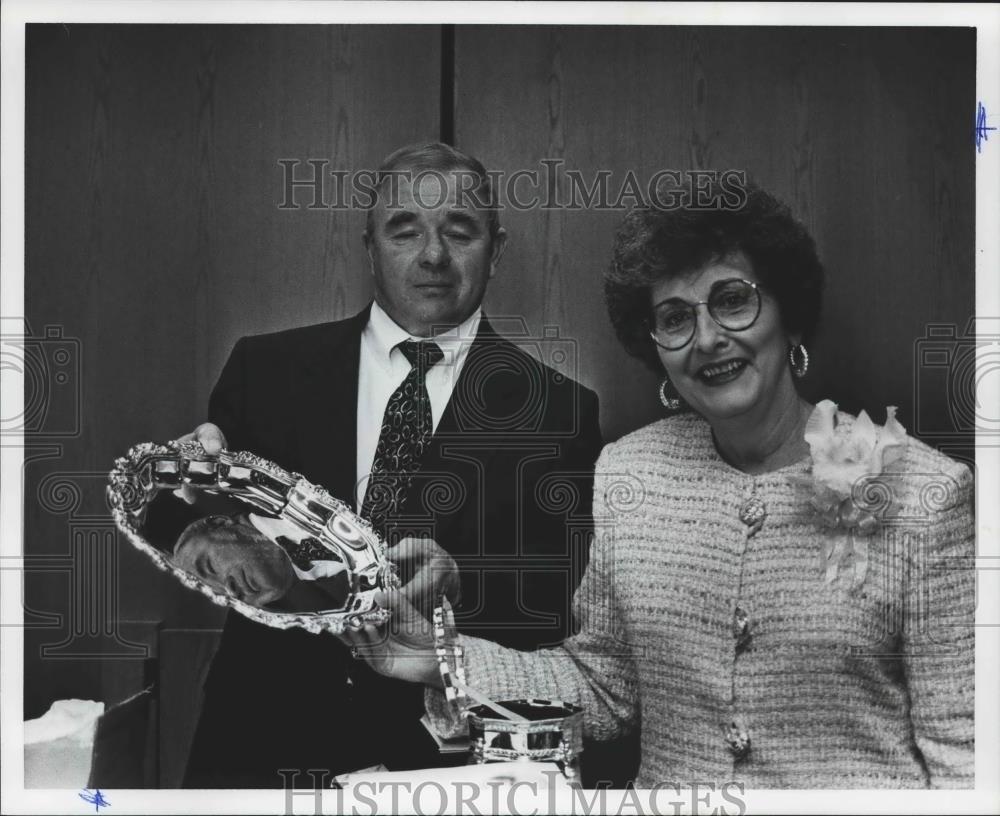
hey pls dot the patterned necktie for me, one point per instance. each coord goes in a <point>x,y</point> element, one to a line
<point>406,430</point>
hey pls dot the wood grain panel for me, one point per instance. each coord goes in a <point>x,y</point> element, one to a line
<point>106,205</point>
<point>865,133</point>
<point>299,93</point>
<point>154,236</point>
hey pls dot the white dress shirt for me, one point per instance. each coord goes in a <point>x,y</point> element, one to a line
<point>383,367</point>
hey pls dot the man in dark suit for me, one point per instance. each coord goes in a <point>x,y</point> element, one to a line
<point>495,465</point>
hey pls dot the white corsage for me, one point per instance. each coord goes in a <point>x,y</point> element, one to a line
<point>842,463</point>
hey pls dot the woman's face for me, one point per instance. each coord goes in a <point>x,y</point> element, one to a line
<point>724,374</point>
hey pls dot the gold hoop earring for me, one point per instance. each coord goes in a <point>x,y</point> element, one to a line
<point>671,401</point>
<point>800,367</point>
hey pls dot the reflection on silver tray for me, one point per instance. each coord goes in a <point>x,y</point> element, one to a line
<point>151,467</point>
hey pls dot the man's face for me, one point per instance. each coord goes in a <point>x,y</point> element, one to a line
<point>431,252</point>
<point>232,556</point>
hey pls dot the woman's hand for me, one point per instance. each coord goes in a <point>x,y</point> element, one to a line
<point>403,648</point>
<point>427,572</point>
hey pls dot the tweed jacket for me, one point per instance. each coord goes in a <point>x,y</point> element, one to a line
<point>732,653</point>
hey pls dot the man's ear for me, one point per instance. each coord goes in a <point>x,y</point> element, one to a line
<point>499,245</point>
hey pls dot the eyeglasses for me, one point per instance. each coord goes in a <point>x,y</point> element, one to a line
<point>732,303</point>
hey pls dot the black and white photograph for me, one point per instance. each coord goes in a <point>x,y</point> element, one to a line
<point>500,407</point>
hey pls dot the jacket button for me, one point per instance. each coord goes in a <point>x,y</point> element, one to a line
<point>737,738</point>
<point>741,627</point>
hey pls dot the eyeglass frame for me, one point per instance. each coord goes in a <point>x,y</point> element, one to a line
<point>694,310</point>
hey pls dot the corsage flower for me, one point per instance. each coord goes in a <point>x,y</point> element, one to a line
<point>841,463</point>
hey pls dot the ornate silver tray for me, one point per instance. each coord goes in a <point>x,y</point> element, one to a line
<point>345,538</point>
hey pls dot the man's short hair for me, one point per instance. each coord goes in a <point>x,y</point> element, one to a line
<point>437,157</point>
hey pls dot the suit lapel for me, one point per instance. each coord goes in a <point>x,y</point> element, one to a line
<point>326,408</point>
<point>484,399</point>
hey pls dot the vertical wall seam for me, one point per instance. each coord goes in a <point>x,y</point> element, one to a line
<point>446,128</point>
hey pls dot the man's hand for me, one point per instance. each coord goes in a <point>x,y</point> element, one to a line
<point>403,648</point>
<point>427,572</point>
<point>212,440</point>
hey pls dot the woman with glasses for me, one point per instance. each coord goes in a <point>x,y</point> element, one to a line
<point>778,594</point>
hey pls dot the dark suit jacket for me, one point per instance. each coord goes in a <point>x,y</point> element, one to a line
<point>505,487</point>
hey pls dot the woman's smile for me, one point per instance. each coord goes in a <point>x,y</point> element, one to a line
<point>721,373</point>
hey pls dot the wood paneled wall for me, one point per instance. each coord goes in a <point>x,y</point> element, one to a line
<point>865,133</point>
<point>154,233</point>
<point>154,236</point>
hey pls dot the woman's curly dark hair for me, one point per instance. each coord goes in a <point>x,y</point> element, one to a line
<point>653,244</point>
